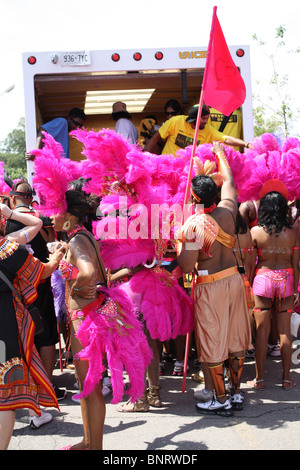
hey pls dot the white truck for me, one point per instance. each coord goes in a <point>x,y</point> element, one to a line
<point>145,79</point>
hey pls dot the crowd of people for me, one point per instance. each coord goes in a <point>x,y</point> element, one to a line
<point>125,297</point>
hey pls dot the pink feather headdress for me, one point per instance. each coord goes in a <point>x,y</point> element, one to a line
<point>118,171</point>
<point>52,175</point>
<point>239,167</point>
<point>268,161</point>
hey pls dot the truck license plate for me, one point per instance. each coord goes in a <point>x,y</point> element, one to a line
<point>77,58</point>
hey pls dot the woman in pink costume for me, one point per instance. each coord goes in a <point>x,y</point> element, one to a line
<point>275,283</point>
<point>105,330</point>
<point>132,184</point>
<point>273,179</point>
<point>104,327</point>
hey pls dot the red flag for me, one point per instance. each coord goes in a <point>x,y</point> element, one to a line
<point>224,89</point>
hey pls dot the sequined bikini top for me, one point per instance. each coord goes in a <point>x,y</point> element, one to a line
<point>67,270</point>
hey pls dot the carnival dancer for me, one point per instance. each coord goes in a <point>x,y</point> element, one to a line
<point>275,283</point>
<point>220,308</point>
<point>105,330</point>
<point>131,184</point>
<point>162,304</point>
<point>23,381</point>
<point>274,179</point>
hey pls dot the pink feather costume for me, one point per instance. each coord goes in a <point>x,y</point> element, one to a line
<point>144,180</point>
<point>109,331</point>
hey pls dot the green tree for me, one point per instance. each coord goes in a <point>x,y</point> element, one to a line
<point>263,124</point>
<point>274,112</point>
<point>12,151</point>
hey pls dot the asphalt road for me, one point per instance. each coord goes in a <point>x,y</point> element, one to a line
<point>269,420</point>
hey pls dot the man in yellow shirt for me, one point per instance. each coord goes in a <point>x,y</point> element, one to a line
<point>178,132</point>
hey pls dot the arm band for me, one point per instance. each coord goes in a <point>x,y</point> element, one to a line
<point>26,235</point>
<point>222,161</point>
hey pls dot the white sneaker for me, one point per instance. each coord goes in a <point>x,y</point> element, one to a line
<point>215,407</point>
<point>203,395</point>
<point>237,401</point>
<point>36,421</point>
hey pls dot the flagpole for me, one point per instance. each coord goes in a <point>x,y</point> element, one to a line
<point>187,189</point>
<point>200,104</point>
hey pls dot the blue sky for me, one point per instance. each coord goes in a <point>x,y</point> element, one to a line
<point>44,25</point>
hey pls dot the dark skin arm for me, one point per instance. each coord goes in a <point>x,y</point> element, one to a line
<point>39,145</point>
<point>189,255</point>
<point>154,143</point>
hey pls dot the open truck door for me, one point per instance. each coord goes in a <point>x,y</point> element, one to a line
<point>55,82</point>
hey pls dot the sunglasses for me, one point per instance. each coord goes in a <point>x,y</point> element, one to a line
<point>76,123</point>
<point>171,113</point>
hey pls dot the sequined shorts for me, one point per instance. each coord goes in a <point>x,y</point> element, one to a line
<point>271,284</point>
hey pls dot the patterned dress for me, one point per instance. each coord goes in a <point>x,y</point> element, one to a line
<point>23,380</point>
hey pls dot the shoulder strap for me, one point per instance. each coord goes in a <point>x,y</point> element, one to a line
<point>103,273</point>
<point>224,122</point>
<point>238,240</point>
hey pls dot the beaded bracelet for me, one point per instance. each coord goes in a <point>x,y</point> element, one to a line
<point>77,288</point>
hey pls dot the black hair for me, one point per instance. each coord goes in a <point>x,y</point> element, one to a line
<point>121,114</point>
<point>77,112</point>
<point>240,224</point>
<point>77,204</point>
<point>78,184</point>
<point>22,189</point>
<point>274,213</point>
<point>83,206</point>
<point>205,188</point>
<point>174,105</point>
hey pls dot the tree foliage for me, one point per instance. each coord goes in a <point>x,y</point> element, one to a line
<point>12,151</point>
<point>275,112</point>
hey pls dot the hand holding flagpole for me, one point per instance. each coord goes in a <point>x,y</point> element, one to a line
<point>187,190</point>
<point>224,91</point>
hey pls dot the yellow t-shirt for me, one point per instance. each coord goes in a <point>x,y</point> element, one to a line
<point>234,127</point>
<point>180,134</point>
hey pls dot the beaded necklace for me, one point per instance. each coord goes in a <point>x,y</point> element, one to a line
<point>77,228</point>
